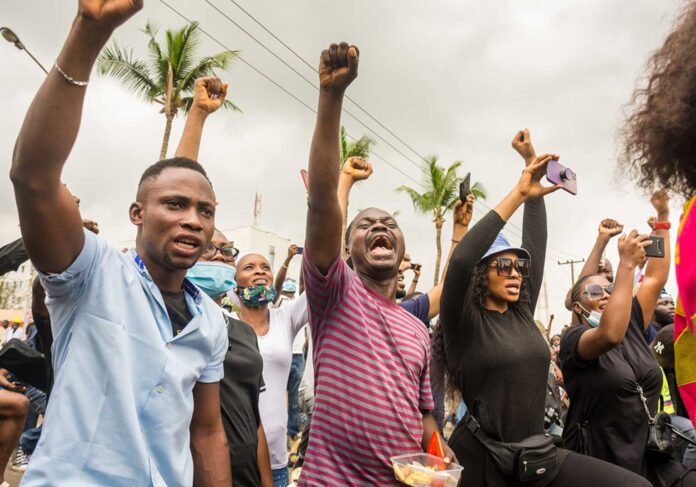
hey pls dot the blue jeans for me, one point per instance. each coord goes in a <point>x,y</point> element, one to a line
<point>280,477</point>
<point>294,412</point>
<point>29,439</point>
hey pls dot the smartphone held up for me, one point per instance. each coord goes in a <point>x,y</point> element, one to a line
<point>557,173</point>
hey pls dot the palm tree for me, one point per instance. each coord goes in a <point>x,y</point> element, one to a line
<point>358,148</point>
<point>168,74</point>
<point>441,194</point>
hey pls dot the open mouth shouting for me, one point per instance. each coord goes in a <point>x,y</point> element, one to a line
<point>513,287</point>
<point>187,245</point>
<point>381,246</point>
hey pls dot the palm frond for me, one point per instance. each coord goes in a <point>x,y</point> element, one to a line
<point>205,67</point>
<point>182,46</point>
<point>157,59</point>
<point>118,62</point>
<point>479,191</point>
<point>421,202</point>
<point>344,145</point>
<point>358,148</point>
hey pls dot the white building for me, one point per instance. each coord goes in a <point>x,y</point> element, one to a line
<point>15,288</point>
<point>271,245</point>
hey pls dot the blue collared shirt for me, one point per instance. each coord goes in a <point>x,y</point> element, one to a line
<point>122,402</point>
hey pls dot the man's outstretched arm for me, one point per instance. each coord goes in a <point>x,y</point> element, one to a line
<point>49,218</point>
<point>337,69</point>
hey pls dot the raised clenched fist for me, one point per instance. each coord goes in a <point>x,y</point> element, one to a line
<point>338,67</point>
<point>610,228</point>
<point>660,201</point>
<point>209,94</point>
<point>110,13</point>
<point>522,143</point>
<point>357,168</point>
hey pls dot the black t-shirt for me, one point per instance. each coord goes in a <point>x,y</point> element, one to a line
<point>177,309</point>
<point>239,400</point>
<point>606,413</point>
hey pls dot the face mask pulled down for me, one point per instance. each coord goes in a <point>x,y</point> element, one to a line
<point>213,278</point>
<point>592,317</point>
<point>256,296</point>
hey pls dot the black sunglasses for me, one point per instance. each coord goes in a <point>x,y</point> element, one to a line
<point>595,291</point>
<point>229,251</point>
<point>504,265</point>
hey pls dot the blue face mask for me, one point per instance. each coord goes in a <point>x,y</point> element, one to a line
<point>593,318</point>
<point>256,296</point>
<point>213,278</point>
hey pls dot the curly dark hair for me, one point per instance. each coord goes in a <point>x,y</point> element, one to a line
<point>660,132</point>
<point>440,374</point>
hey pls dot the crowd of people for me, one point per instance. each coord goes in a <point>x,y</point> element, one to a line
<point>182,362</point>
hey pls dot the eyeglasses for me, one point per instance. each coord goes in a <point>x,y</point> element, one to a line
<point>595,291</point>
<point>504,265</point>
<point>227,251</point>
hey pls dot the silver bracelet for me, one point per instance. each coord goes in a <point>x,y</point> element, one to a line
<point>68,78</point>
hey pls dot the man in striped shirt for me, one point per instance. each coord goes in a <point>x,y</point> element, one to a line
<point>372,387</point>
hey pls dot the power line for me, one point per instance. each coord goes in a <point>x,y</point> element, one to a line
<point>311,83</point>
<point>278,85</point>
<point>288,92</point>
<point>298,56</point>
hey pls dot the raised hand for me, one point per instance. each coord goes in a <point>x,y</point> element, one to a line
<point>522,143</point>
<point>109,13</point>
<point>90,225</point>
<point>632,248</point>
<point>209,94</point>
<point>338,67</point>
<point>357,168</point>
<point>463,212</point>
<point>529,186</point>
<point>660,201</point>
<point>292,252</point>
<point>610,228</point>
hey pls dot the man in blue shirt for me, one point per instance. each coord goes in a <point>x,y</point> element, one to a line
<point>137,349</point>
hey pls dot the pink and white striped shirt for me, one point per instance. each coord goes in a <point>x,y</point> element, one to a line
<point>371,361</point>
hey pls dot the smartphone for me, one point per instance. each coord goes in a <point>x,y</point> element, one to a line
<point>465,188</point>
<point>300,250</point>
<point>556,173</point>
<point>416,267</point>
<point>656,247</point>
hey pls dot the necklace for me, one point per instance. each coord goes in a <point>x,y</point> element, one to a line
<point>266,326</point>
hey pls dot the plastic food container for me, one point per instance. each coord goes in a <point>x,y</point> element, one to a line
<point>423,470</point>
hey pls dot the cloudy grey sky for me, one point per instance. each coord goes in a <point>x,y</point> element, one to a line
<point>454,78</point>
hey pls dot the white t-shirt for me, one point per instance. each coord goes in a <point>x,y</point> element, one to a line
<point>276,350</point>
<point>301,338</point>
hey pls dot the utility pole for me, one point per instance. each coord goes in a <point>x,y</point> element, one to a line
<point>571,263</point>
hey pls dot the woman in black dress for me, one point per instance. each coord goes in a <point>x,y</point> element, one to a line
<point>495,355</point>
<point>605,360</point>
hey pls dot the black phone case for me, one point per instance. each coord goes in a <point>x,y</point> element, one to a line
<point>656,247</point>
<point>465,188</point>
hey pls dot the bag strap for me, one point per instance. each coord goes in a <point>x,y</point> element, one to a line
<point>639,389</point>
<point>475,429</point>
<point>681,435</point>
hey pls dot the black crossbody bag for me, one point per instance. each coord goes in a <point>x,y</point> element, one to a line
<point>661,432</point>
<point>531,459</point>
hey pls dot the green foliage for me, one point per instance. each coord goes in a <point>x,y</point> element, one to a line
<point>441,188</point>
<point>357,148</point>
<point>147,78</point>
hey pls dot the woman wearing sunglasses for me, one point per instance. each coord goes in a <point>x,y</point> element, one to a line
<point>605,361</point>
<point>495,355</point>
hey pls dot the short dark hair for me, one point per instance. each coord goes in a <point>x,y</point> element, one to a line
<point>158,167</point>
